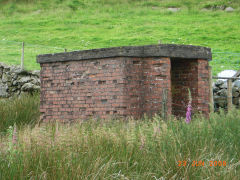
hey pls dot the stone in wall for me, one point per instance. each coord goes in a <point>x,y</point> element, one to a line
<point>220,90</point>
<point>15,81</point>
<point>3,90</point>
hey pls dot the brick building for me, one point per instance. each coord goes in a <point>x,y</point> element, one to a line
<point>123,81</point>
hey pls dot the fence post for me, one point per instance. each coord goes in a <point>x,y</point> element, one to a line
<point>22,58</point>
<point>211,90</point>
<point>164,104</point>
<point>238,102</point>
<point>229,94</point>
<point>236,75</point>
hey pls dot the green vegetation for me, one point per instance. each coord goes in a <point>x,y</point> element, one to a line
<point>19,110</point>
<point>81,24</point>
<point>144,149</point>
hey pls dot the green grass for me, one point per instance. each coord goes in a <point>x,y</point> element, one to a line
<point>79,24</point>
<point>144,149</point>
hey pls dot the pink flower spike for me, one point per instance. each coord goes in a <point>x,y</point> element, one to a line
<point>188,113</point>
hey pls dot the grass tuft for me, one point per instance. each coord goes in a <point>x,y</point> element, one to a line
<point>19,110</point>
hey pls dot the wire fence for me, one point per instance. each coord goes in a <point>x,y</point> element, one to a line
<point>11,52</point>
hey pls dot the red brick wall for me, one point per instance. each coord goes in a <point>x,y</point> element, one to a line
<point>103,88</point>
<point>193,75</point>
<point>203,87</point>
<point>145,80</point>
<point>158,77</point>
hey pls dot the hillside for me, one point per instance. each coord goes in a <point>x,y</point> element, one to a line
<point>51,26</point>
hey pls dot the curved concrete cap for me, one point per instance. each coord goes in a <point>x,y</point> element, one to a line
<point>161,50</point>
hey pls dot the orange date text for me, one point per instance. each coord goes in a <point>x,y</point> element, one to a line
<point>202,163</point>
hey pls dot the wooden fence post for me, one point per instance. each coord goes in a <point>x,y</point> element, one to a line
<point>229,94</point>
<point>22,58</point>
<point>236,75</point>
<point>238,102</point>
<point>211,90</point>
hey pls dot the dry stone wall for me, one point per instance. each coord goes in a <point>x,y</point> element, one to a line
<point>220,93</point>
<point>15,81</point>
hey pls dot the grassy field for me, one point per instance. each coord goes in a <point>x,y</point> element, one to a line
<point>146,149</point>
<point>51,26</point>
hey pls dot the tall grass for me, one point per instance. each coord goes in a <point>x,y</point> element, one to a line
<point>19,110</point>
<point>114,149</point>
